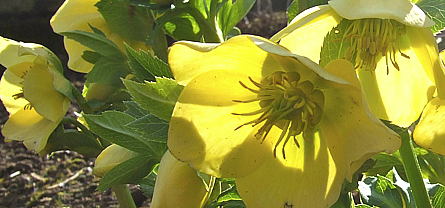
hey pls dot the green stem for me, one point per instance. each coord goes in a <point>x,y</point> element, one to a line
<point>412,170</point>
<point>123,196</point>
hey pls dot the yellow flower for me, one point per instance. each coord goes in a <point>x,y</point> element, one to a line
<point>28,93</point>
<point>430,132</point>
<point>393,49</point>
<point>178,185</point>
<point>79,15</point>
<point>287,130</point>
<point>110,157</point>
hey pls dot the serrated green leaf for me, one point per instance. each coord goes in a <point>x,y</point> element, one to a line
<point>111,126</point>
<point>158,98</point>
<point>435,9</point>
<point>130,171</point>
<point>107,71</point>
<point>96,42</point>
<point>183,26</point>
<point>146,66</point>
<point>333,45</point>
<point>133,109</point>
<point>125,19</point>
<point>297,6</point>
<point>151,127</point>
<point>91,56</point>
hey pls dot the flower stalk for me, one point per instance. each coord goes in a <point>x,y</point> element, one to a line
<point>412,169</point>
<point>123,196</point>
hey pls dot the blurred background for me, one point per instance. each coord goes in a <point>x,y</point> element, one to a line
<point>65,178</point>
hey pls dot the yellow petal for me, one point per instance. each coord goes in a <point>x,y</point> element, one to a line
<point>74,14</point>
<point>202,129</point>
<point>400,96</point>
<point>343,123</point>
<point>430,132</point>
<point>30,127</point>
<point>177,185</point>
<point>305,34</point>
<point>400,10</point>
<point>110,157</point>
<point>38,89</point>
<point>11,85</point>
<point>188,59</point>
<point>309,177</point>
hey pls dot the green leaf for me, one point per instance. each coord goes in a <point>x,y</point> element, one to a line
<point>384,163</point>
<point>438,199</point>
<point>435,9</point>
<point>96,42</point>
<point>91,56</point>
<point>74,140</point>
<point>182,26</point>
<point>297,6</point>
<point>432,166</point>
<point>133,109</point>
<point>333,45</point>
<point>130,171</point>
<point>145,66</point>
<point>112,126</point>
<point>232,13</point>
<point>158,98</point>
<point>380,191</point>
<point>151,127</point>
<point>125,19</point>
<point>107,71</point>
<point>147,183</point>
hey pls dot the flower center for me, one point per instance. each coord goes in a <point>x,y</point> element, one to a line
<point>22,95</point>
<point>372,39</point>
<point>286,102</point>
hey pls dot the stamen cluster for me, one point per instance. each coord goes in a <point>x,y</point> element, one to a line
<point>293,105</point>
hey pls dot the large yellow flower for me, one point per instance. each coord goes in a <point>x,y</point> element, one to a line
<point>390,43</point>
<point>430,132</point>
<point>178,185</point>
<point>79,15</point>
<point>28,93</point>
<point>287,130</point>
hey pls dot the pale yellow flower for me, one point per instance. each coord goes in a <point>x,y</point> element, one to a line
<point>110,157</point>
<point>394,51</point>
<point>288,131</point>
<point>79,15</point>
<point>27,89</point>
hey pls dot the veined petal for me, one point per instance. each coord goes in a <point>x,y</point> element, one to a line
<point>30,127</point>
<point>308,177</point>
<point>400,96</point>
<point>187,60</point>
<point>177,185</point>
<point>402,11</point>
<point>316,21</point>
<point>430,132</point>
<point>347,117</point>
<point>38,89</point>
<point>203,129</point>
<point>11,85</point>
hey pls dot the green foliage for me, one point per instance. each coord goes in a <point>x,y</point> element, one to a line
<point>438,198</point>
<point>231,13</point>
<point>297,6</point>
<point>432,166</point>
<point>96,42</point>
<point>125,19</point>
<point>107,71</point>
<point>158,98</point>
<point>334,47</point>
<point>133,109</point>
<point>385,163</point>
<point>118,128</point>
<point>435,9</point>
<point>145,66</point>
<point>130,171</point>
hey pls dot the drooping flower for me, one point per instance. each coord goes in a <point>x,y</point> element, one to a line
<point>27,89</point>
<point>430,131</point>
<point>178,185</point>
<point>80,15</point>
<point>110,157</point>
<point>287,130</point>
<point>390,42</point>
